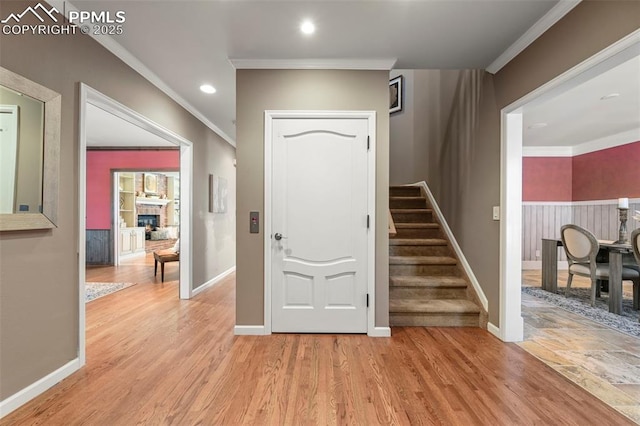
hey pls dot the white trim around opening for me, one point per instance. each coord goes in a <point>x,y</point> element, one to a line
<point>511,324</point>
<point>89,95</point>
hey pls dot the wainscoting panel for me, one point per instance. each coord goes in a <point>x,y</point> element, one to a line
<point>543,220</point>
<point>99,247</point>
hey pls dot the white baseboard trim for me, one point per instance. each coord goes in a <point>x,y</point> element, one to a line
<point>529,265</point>
<point>494,330</point>
<point>213,281</point>
<point>27,394</point>
<point>380,332</point>
<point>249,330</point>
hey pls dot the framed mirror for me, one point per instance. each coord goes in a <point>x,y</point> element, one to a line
<point>30,156</point>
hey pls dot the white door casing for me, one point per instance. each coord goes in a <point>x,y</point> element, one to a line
<point>320,192</point>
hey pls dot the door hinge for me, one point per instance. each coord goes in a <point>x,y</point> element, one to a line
<point>368,142</point>
<point>367,300</point>
<point>367,221</point>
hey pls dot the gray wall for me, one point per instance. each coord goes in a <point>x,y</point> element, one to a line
<point>260,90</point>
<point>39,269</point>
<point>416,134</point>
<point>586,30</point>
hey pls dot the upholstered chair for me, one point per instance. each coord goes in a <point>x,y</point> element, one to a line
<point>581,247</point>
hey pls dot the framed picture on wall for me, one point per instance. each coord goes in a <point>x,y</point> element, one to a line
<point>217,194</point>
<point>395,94</point>
<point>150,183</point>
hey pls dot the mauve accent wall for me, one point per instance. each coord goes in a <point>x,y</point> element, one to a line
<point>99,166</point>
<point>606,174</point>
<point>601,175</point>
<point>546,178</point>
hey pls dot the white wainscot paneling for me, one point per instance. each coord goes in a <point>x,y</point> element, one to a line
<point>544,220</point>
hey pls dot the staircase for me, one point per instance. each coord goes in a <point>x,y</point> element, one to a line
<point>428,287</point>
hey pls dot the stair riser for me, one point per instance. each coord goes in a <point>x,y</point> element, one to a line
<point>418,233</point>
<point>428,293</point>
<point>413,217</point>
<point>423,270</point>
<point>434,320</point>
<point>407,204</point>
<point>409,191</point>
<point>419,251</point>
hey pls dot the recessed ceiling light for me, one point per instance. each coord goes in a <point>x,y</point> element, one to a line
<point>207,88</point>
<point>537,126</point>
<point>609,96</point>
<point>307,27</point>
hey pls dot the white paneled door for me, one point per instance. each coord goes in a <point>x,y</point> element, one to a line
<point>319,225</point>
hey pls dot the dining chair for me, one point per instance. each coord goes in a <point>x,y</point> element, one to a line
<point>581,247</point>
<point>635,243</point>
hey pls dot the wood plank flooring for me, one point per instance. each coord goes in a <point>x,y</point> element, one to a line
<point>599,359</point>
<point>153,359</point>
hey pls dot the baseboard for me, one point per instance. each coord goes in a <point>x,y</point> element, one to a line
<point>454,244</point>
<point>249,330</point>
<point>27,394</point>
<point>493,330</point>
<point>536,265</point>
<point>213,281</point>
<point>380,332</point>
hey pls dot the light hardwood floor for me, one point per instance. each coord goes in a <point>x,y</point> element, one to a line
<point>601,360</point>
<point>153,359</point>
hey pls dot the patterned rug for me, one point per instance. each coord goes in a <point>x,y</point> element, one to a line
<point>579,303</point>
<point>94,291</point>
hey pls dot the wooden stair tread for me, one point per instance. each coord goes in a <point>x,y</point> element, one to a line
<point>417,210</point>
<point>401,197</point>
<point>417,242</point>
<point>441,306</point>
<point>422,260</point>
<point>426,281</point>
<point>403,225</point>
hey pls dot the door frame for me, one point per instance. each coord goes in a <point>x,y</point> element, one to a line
<point>88,95</point>
<point>511,327</point>
<point>370,116</point>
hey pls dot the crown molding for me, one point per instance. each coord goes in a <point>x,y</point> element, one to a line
<point>125,56</point>
<point>607,142</point>
<point>315,64</point>
<point>547,151</point>
<point>540,27</point>
<point>619,139</point>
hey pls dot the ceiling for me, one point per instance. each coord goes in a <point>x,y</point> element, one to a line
<point>188,43</point>
<point>579,115</point>
<point>106,130</point>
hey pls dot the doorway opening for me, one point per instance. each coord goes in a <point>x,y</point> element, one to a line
<point>511,323</point>
<point>90,99</point>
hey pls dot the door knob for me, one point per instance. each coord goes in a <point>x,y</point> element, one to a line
<point>278,236</point>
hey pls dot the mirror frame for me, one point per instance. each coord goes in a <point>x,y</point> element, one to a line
<point>51,149</point>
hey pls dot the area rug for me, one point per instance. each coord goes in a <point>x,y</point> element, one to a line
<point>94,291</point>
<point>579,303</point>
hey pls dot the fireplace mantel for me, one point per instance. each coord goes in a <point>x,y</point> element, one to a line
<point>153,201</point>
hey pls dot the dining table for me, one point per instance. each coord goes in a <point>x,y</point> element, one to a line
<point>615,251</point>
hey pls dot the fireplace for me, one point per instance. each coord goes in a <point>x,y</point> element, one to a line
<point>149,222</point>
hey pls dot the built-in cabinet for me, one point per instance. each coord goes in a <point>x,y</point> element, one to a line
<point>131,241</point>
<point>127,198</point>
<point>173,194</point>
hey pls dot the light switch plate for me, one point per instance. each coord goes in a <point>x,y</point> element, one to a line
<point>496,212</point>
